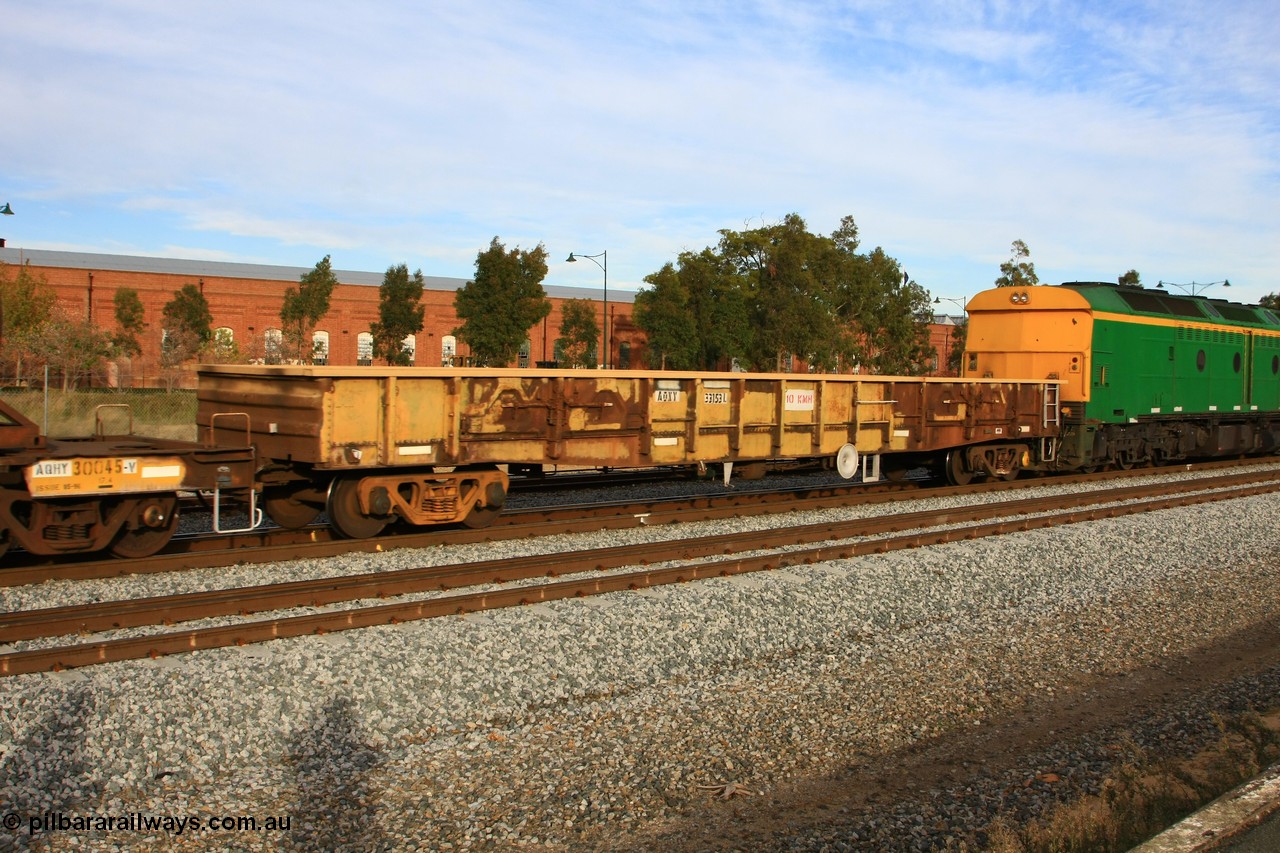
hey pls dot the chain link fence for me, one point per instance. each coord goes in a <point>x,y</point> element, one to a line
<point>152,412</point>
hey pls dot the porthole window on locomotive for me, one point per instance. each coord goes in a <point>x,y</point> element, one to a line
<point>1235,363</point>
<point>1200,361</point>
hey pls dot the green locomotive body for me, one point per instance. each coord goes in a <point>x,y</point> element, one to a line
<point>1150,376</point>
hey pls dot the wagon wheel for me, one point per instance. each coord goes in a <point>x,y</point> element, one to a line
<point>149,530</point>
<point>894,471</point>
<point>485,515</point>
<point>955,471</point>
<point>283,507</point>
<point>344,511</point>
<point>481,516</point>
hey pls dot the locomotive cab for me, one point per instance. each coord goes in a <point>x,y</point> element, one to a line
<point>1031,333</point>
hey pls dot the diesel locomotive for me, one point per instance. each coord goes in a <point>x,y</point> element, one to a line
<point>1145,376</point>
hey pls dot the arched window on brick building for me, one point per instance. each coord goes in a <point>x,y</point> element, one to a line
<point>364,348</point>
<point>272,346</point>
<point>410,346</point>
<point>448,350</point>
<point>319,347</point>
<point>224,344</point>
<point>525,349</point>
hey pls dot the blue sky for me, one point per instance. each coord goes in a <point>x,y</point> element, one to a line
<point>1108,136</point>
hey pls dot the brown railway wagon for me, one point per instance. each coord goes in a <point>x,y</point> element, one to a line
<point>425,445</point>
<point>108,492</point>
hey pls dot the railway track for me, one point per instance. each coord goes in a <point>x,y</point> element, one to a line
<point>533,579</point>
<point>319,541</point>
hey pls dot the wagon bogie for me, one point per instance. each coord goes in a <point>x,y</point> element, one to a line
<point>362,506</point>
<point>106,493</point>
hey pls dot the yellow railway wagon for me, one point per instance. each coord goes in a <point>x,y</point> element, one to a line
<point>425,445</point>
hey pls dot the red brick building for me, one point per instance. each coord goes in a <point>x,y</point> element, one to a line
<point>245,301</point>
<point>942,336</point>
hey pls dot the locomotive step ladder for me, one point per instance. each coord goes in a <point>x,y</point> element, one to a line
<point>1051,417</point>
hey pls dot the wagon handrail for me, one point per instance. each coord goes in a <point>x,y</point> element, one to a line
<point>97,417</point>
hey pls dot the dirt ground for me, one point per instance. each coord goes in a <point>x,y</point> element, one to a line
<point>759,823</point>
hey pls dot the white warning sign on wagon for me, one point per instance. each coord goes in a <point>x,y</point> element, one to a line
<point>799,399</point>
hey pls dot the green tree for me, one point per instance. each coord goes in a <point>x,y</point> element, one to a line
<point>1130,279</point>
<point>663,312</point>
<point>187,313</point>
<point>1018,271</point>
<point>788,273</point>
<point>129,319</point>
<point>1271,300</point>
<point>720,309</point>
<point>770,293</point>
<point>26,303</point>
<point>900,319</point>
<point>72,348</point>
<point>579,334</point>
<point>188,328</point>
<point>959,337</point>
<point>304,306</point>
<point>223,349</point>
<point>502,303</point>
<point>400,313</point>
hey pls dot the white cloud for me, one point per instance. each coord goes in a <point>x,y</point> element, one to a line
<point>1130,135</point>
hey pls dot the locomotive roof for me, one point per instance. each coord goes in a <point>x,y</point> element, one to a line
<point>1138,301</point>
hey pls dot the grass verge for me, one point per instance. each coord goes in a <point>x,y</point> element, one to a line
<point>1144,794</point>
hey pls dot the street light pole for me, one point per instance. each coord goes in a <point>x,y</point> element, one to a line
<point>605,267</point>
<point>1194,288</point>
<point>950,339</point>
<point>5,211</point>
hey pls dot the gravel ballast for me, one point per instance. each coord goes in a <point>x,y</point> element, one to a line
<point>578,724</point>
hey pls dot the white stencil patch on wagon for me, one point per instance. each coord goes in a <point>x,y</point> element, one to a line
<point>417,450</point>
<point>799,399</point>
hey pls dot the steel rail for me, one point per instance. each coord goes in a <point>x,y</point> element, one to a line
<point>277,544</point>
<point>130,613</point>
<point>14,663</point>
